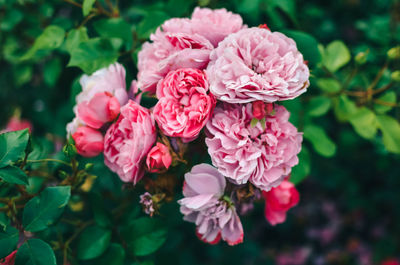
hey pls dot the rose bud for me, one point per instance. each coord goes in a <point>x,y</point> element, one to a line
<point>102,108</point>
<point>89,142</point>
<point>259,111</point>
<point>279,200</point>
<point>16,124</point>
<point>158,158</point>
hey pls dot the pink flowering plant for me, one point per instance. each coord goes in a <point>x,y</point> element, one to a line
<point>178,121</point>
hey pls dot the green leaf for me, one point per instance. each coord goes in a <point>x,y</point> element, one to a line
<point>329,85</point>
<point>144,236</point>
<point>344,108</point>
<point>303,168</point>
<point>115,28</point>
<point>389,97</point>
<point>12,146</point>
<point>150,23</point>
<point>94,54</point>
<point>318,106</point>
<point>10,19</point>
<point>335,56</point>
<point>14,175</point>
<point>115,255</point>
<point>35,252</point>
<point>52,71</point>
<point>307,45</point>
<point>93,242</point>
<point>75,37</point>
<point>8,240</point>
<point>184,7</point>
<point>101,216</point>
<point>51,38</point>
<point>319,140</point>
<point>390,128</point>
<point>43,210</point>
<point>87,6</point>
<point>254,122</point>
<point>364,123</point>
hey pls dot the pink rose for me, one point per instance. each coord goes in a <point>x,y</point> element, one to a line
<point>158,158</point>
<point>215,25</point>
<point>128,141</point>
<point>88,141</point>
<point>110,79</point>
<point>257,64</point>
<point>184,105</point>
<point>260,154</point>
<point>10,259</point>
<point>102,108</point>
<point>170,51</point>
<point>279,200</point>
<point>204,205</point>
<point>16,124</point>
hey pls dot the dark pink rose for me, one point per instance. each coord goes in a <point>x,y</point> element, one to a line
<point>158,158</point>
<point>10,259</point>
<point>392,261</point>
<point>184,105</point>
<point>100,109</point>
<point>89,142</point>
<point>16,124</point>
<point>279,200</point>
<point>128,141</point>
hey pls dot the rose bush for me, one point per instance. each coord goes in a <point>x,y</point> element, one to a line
<point>182,112</point>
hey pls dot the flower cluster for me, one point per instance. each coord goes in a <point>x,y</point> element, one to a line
<point>212,74</point>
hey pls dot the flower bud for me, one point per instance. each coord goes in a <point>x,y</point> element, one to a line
<point>69,150</point>
<point>361,58</point>
<point>396,76</point>
<point>259,111</point>
<point>158,158</point>
<point>89,142</point>
<point>394,53</point>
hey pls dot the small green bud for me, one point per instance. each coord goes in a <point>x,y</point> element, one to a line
<point>396,76</point>
<point>88,166</point>
<point>63,174</point>
<point>69,150</point>
<point>361,58</point>
<point>394,53</point>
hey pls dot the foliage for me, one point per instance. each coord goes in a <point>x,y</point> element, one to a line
<point>72,210</point>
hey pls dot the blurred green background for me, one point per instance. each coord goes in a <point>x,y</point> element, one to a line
<point>349,176</point>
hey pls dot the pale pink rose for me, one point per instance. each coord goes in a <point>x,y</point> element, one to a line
<point>110,79</point>
<point>279,200</point>
<point>215,25</point>
<point>102,108</point>
<point>128,141</point>
<point>241,152</point>
<point>204,205</point>
<point>257,64</point>
<point>184,105</point>
<point>158,158</point>
<point>10,259</point>
<point>16,124</point>
<point>169,51</point>
<point>88,141</point>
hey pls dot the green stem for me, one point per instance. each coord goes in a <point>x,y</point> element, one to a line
<point>49,160</point>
